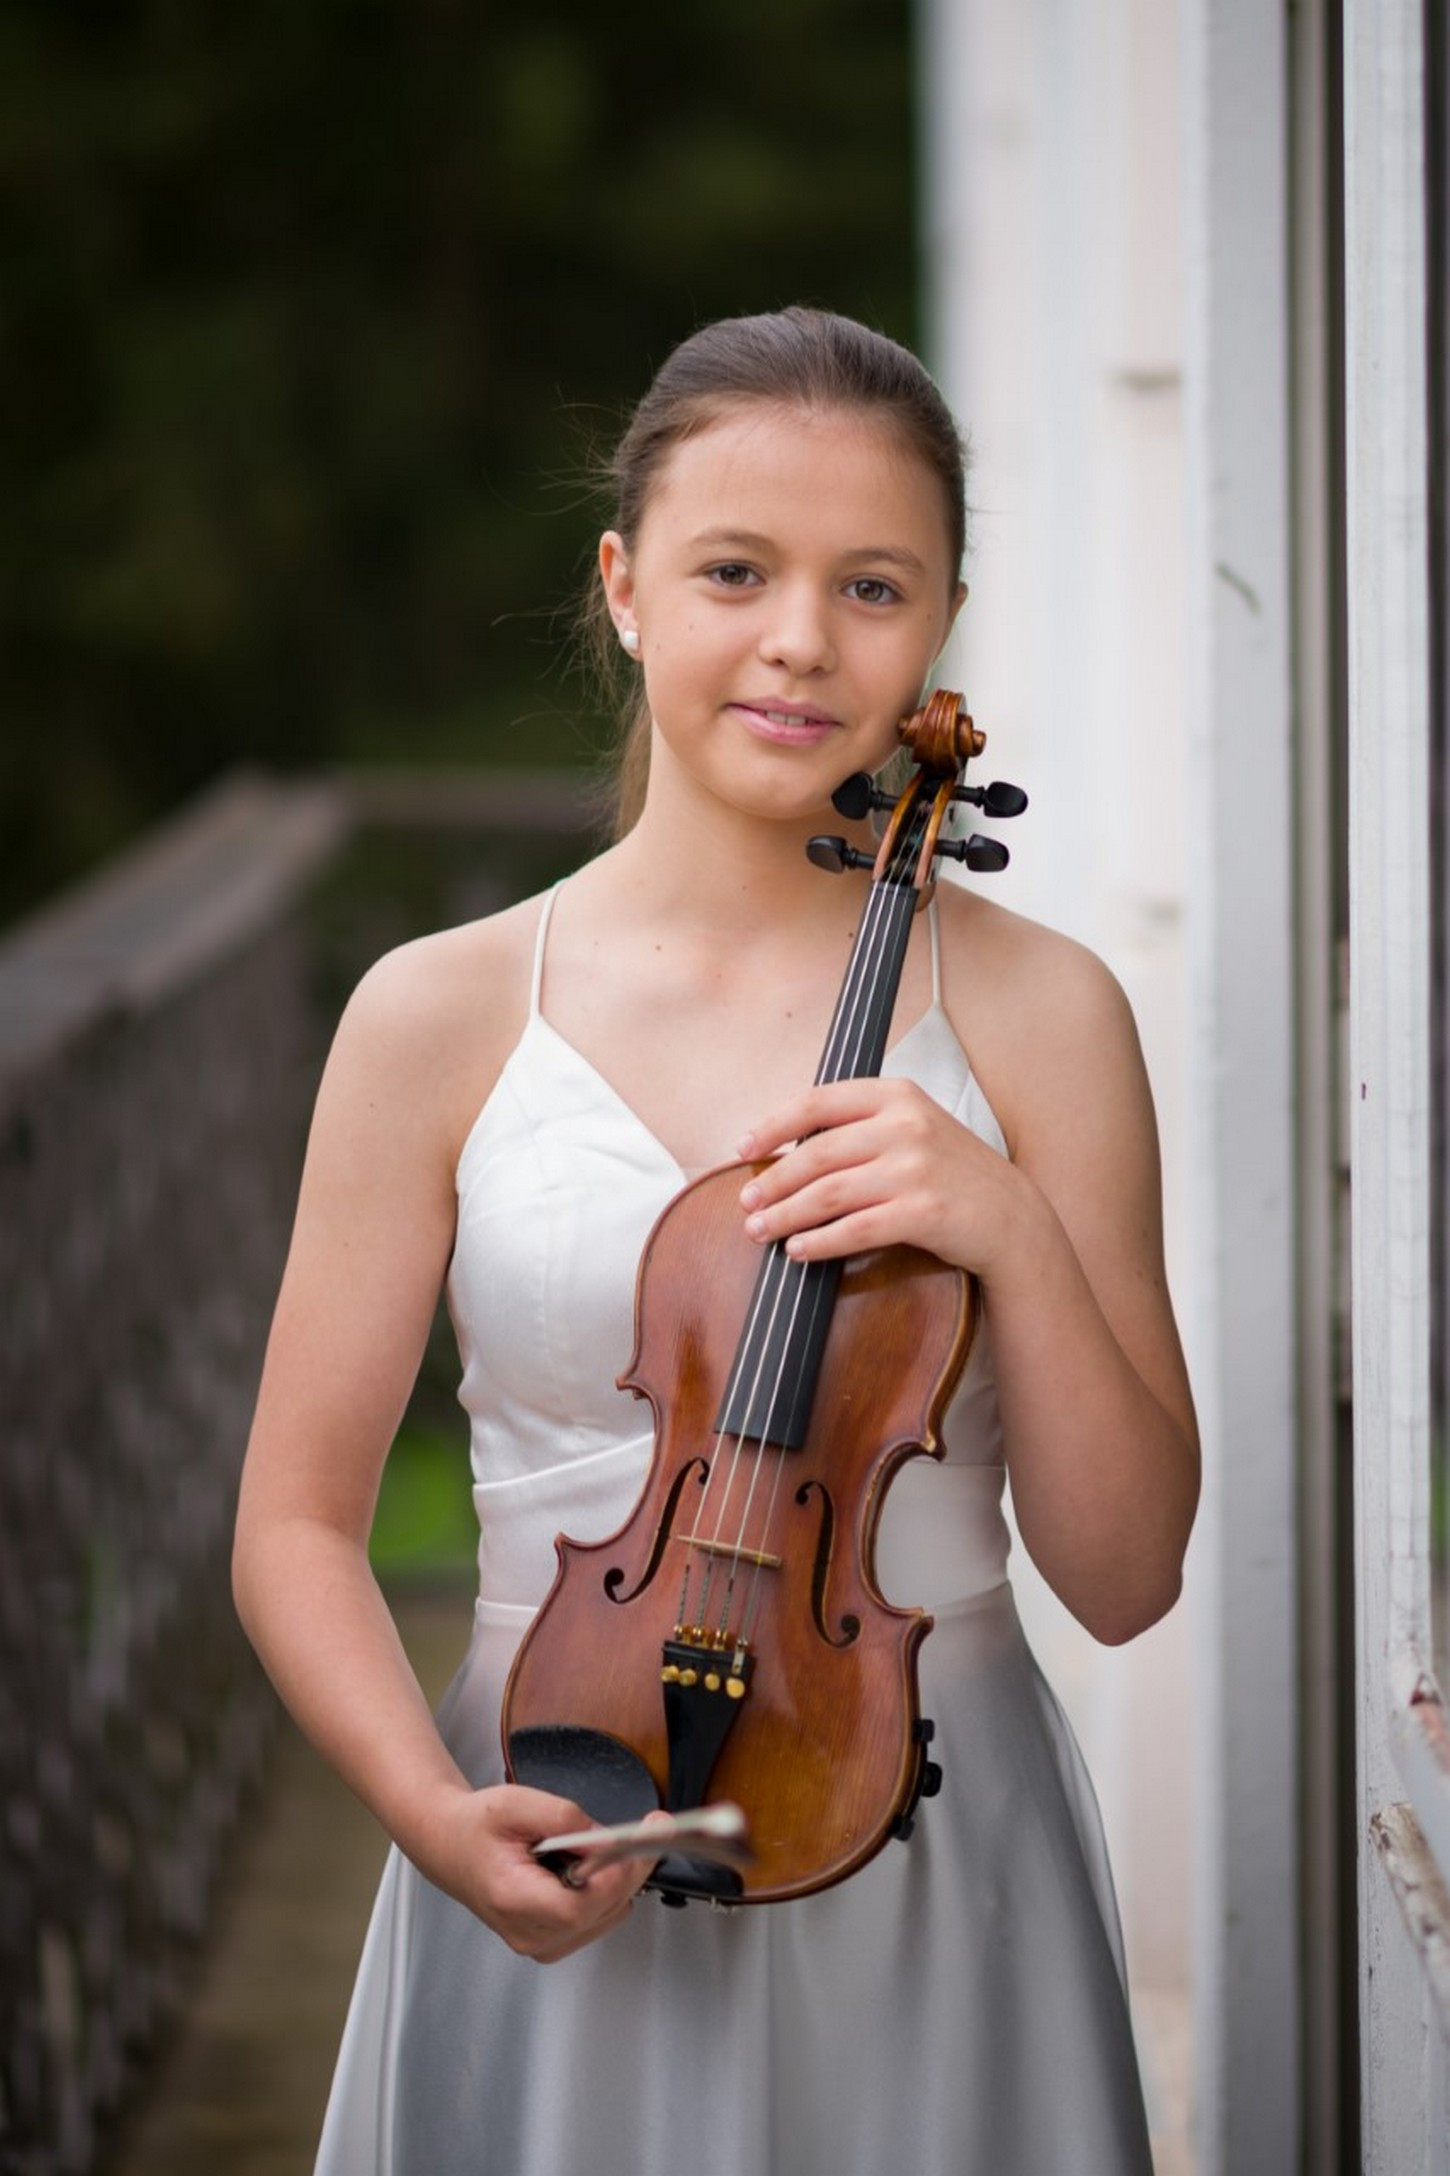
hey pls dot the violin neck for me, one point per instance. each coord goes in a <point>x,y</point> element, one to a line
<point>773,1379</point>
<point>861,1024</point>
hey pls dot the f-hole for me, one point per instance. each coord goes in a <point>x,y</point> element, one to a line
<point>821,1569</point>
<point>664,1534</point>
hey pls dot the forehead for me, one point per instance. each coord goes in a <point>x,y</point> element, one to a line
<point>841,473</point>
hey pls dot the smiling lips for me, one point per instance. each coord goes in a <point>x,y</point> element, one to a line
<point>796,722</point>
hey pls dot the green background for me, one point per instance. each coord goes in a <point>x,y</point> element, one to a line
<point>311,313</point>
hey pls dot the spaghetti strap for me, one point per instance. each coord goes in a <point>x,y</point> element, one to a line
<point>931,922</point>
<point>541,938</point>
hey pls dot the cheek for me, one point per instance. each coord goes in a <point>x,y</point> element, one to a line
<point>933,628</point>
<point>688,648</point>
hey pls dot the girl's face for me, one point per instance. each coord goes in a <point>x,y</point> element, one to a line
<point>791,584</point>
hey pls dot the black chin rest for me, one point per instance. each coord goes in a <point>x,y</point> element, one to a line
<point>611,1783</point>
<point>602,1774</point>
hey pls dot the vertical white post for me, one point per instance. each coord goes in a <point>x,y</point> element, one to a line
<point>1241,921</point>
<point>1402,2056</point>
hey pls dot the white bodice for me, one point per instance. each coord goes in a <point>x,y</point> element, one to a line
<point>559,1184</point>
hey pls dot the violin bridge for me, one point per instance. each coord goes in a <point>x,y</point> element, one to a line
<point>738,1554</point>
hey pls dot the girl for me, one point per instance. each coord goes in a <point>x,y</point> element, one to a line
<point>508,1107</point>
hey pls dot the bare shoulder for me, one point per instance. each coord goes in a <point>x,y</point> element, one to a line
<point>1045,1023</point>
<point>1052,1039</point>
<point>430,1025</point>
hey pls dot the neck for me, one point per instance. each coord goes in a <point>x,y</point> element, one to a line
<point>745,872</point>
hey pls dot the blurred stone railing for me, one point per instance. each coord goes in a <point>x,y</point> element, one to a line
<point>160,1035</point>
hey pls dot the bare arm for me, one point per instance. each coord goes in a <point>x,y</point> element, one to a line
<point>1066,1239</point>
<point>1098,1416</point>
<point>374,1230</point>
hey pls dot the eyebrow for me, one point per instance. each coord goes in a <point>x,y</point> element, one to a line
<point>895,555</point>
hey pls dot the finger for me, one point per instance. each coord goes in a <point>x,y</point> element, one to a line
<point>830,1104</point>
<point>592,1933</point>
<point>564,1916</point>
<point>523,1811</point>
<point>857,1233</point>
<point>609,1882</point>
<point>819,1202</point>
<point>842,1149</point>
<point>589,1905</point>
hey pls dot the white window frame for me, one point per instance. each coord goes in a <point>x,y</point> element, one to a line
<point>1403,1764</point>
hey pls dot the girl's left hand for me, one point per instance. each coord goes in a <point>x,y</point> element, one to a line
<point>877,1163</point>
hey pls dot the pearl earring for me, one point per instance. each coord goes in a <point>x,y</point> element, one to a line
<point>629,637</point>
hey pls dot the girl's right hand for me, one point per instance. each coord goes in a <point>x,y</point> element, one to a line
<point>481,1851</point>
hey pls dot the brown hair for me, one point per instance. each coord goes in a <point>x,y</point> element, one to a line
<point>796,357</point>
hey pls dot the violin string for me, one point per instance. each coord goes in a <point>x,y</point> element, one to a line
<point>754,1597</point>
<point>787,1277</point>
<point>843,1053</point>
<point>757,1342</point>
<point>849,1030</point>
<point>786,1274</point>
<point>863,969</point>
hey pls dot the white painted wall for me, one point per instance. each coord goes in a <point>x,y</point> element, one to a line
<point>1054,284</point>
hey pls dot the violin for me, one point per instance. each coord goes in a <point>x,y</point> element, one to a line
<point>731,1639</point>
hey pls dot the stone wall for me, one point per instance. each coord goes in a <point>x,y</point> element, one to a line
<point>158,1047</point>
<point>160,1036</point>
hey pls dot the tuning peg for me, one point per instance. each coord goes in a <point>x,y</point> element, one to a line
<point>852,798</point>
<point>857,795</point>
<point>998,799</point>
<point>836,855</point>
<point>986,856</point>
<point>1004,800</point>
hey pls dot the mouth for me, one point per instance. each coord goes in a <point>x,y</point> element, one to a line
<point>796,723</point>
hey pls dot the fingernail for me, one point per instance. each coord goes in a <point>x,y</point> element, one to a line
<point>755,1225</point>
<point>747,1145</point>
<point>749,1196</point>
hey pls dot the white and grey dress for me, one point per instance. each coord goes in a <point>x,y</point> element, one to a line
<point>957,2008</point>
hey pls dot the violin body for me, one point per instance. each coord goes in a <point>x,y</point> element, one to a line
<point>829,1753</point>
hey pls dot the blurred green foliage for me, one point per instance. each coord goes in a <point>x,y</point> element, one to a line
<point>424,1525</point>
<point>309,313</point>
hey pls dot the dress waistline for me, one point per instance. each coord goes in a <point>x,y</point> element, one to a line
<point>942,1539</point>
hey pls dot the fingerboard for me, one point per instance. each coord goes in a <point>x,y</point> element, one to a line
<point>772,1383</point>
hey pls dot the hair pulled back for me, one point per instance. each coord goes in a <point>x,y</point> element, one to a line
<point>791,358</point>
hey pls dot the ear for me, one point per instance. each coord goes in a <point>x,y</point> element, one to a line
<point>959,598</point>
<point>618,578</point>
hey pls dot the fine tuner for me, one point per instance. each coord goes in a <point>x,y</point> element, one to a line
<point>858,795</point>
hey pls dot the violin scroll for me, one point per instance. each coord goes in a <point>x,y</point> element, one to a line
<point>942,737</point>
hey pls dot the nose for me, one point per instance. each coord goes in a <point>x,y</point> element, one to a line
<point>797,634</point>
